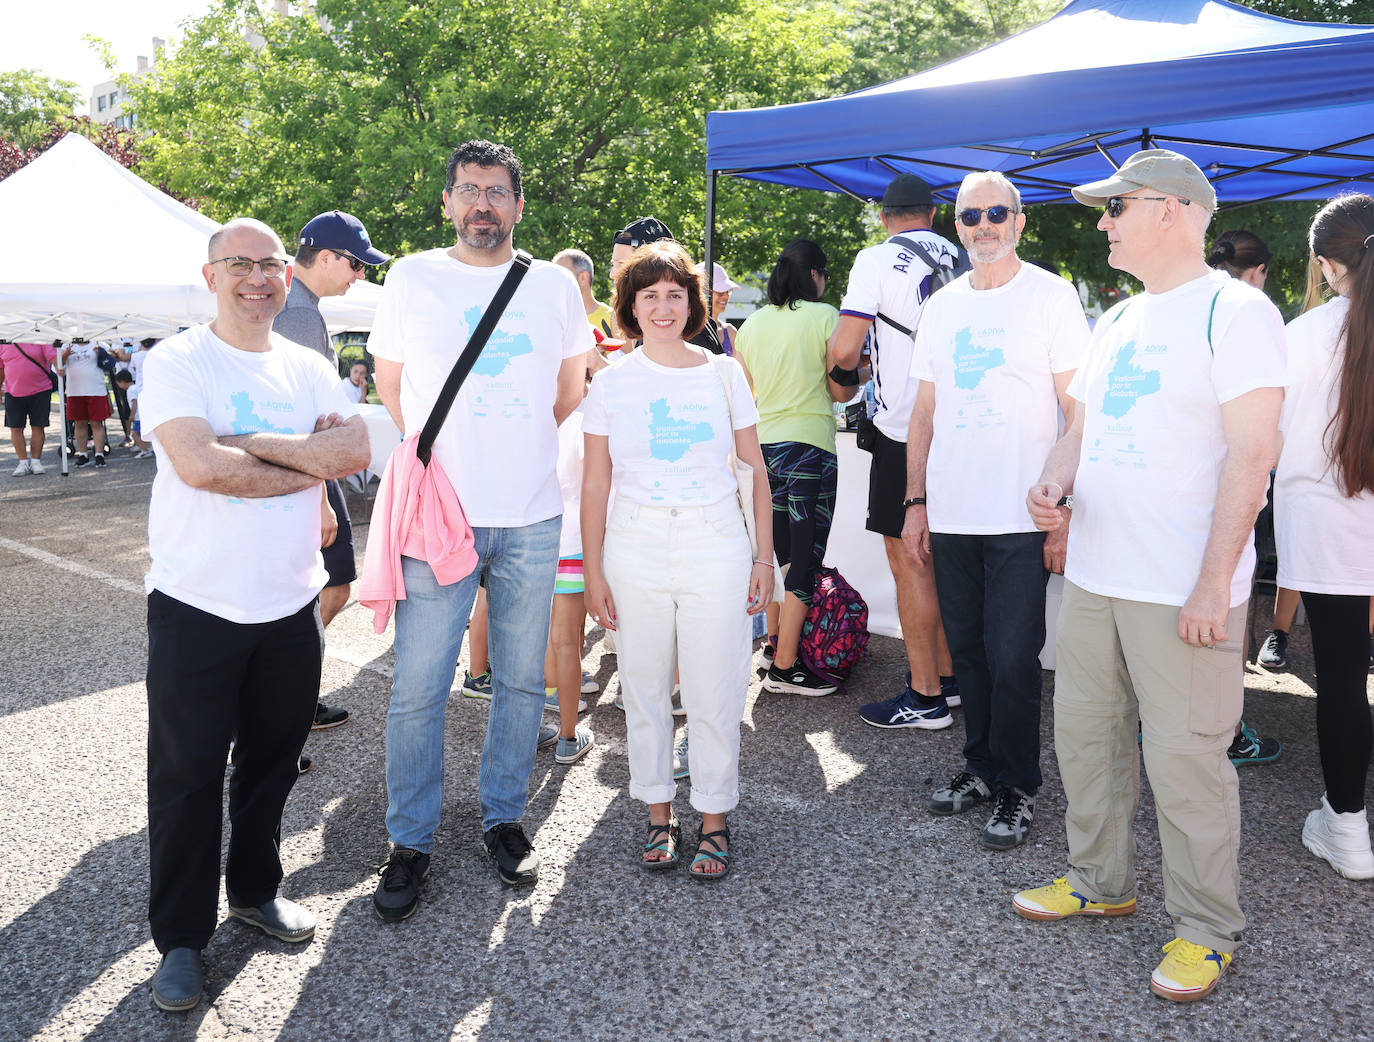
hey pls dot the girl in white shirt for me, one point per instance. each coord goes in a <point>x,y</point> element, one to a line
<point>671,568</point>
<point>1324,515</point>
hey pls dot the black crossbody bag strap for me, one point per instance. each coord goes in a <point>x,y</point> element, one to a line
<point>468,358</point>
<point>52,377</point>
<point>927,258</point>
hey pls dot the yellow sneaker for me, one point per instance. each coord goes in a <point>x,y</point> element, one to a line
<point>1188,971</point>
<point>1059,901</point>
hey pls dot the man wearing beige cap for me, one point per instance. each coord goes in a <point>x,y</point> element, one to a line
<point>1165,469</point>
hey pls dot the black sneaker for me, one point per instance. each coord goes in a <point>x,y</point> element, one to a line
<point>1011,819</point>
<point>83,460</point>
<point>516,862</point>
<point>327,717</point>
<point>99,460</point>
<point>770,650</point>
<point>965,790</point>
<point>796,679</point>
<point>398,892</point>
<point>302,765</point>
<point>1248,747</point>
<point>1274,651</point>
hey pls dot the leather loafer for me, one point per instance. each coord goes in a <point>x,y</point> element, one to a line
<point>283,919</point>
<point>178,981</point>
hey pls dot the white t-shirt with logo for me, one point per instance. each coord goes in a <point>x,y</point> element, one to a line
<point>890,279</point>
<point>499,443</point>
<point>136,359</point>
<point>992,355</point>
<point>85,378</point>
<point>1153,443</point>
<point>245,560</point>
<point>1325,539</point>
<point>669,429</point>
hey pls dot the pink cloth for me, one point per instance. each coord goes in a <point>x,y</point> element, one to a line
<point>416,514</point>
<point>20,376</point>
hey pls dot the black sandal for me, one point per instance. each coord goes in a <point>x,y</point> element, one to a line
<point>719,854</point>
<point>665,838</point>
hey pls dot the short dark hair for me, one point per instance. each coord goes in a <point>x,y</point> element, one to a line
<point>653,262</point>
<point>926,213</point>
<point>305,255</point>
<point>484,153</point>
<point>123,376</point>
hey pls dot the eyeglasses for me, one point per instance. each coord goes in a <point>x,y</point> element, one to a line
<point>1117,203</point>
<point>469,194</point>
<point>996,214</point>
<point>271,266</point>
<point>353,262</point>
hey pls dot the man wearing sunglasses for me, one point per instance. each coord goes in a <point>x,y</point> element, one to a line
<point>994,355</point>
<point>331,253</point>
<point>245,425</point>
<point>889,284</point>
<point>1167,461</point>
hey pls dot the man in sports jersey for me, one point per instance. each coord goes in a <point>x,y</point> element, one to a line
<point>1165,468</point>
<point>888,286</point>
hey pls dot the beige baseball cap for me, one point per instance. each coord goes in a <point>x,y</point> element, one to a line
<point>1157,168</point>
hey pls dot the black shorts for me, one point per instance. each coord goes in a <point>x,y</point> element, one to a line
<point>32,410</point>
<point>338,556</point>
<point>887,487</point>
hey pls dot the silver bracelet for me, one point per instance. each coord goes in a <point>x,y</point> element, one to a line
<point>766,564</point>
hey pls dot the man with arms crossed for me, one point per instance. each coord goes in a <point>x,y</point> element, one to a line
<point>499,448</point>
<point>1167,461</point>
<point>888,287</point>
<point>331,252</point>
<point>245,426</point>
<point>994,355</point>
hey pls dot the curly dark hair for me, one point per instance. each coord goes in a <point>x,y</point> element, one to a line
<point>487,154</point>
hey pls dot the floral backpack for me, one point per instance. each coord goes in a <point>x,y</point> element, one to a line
<point>834,634</point>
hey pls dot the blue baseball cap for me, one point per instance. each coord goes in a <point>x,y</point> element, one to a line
<point>341,231</point>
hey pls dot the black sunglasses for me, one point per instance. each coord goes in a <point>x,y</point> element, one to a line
<point>353,262</point>
<point>1117,203</point>
<point>996,214</point>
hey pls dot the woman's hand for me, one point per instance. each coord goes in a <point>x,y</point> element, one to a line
<point>760,587</point>
<point>600,604</point>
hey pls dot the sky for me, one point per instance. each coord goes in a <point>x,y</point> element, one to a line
<point>46,35</point>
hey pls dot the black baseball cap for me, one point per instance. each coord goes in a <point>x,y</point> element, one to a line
<point>642,230</point>
<point>341,231</point>
<point>907,190</point>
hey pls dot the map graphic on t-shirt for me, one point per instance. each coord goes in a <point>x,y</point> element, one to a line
<point>1127,383</point>
<point>247,421</point>
<point>500,348</point>
<point>971,362</point>
<point>669,438</point>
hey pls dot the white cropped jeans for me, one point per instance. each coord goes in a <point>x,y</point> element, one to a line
<point>679,577</point>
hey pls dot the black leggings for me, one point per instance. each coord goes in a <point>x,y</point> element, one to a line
<point>1340,651</point>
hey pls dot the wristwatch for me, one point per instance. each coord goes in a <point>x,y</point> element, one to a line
<point>1066,501</point>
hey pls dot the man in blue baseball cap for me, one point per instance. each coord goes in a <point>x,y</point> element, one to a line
<point>331,253</point>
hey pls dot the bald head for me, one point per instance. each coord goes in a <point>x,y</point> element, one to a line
<point>239,224</point>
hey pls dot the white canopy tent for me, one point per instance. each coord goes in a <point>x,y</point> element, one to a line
<point>95,251</point>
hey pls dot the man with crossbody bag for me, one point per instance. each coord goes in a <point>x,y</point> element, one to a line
<point>29,382</point>
<point>498,446</point>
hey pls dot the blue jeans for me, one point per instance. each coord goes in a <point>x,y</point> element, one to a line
<point>517,566</point>
<point>992,603</point>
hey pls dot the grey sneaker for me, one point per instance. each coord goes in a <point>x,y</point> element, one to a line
<point>589,684</point>
<point>570,750</point>
<point>551,702</point>
<point>1011,819</point>
<point>680,765</point>
<point>516,862</point>
<point>1274,652</point>
<point>964,791</point>
<point>478,686</point>
<point>548,734</point>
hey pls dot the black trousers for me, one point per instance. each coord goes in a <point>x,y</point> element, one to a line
<point>991,590</point>
<point>211,681</point>
<point>1340,652</point>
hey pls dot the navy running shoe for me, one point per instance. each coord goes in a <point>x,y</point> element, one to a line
<point>909,709</point>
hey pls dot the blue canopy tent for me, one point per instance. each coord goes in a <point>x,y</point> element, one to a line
<point>1269,108</point>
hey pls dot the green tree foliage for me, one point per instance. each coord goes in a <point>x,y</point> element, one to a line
<point>29,103</point>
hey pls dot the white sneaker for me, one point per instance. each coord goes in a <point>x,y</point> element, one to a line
<point>24,466</point>
<point>36,467</point>
<point>1340,839</point>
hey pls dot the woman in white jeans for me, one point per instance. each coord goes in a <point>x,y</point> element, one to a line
<point>671,568</point>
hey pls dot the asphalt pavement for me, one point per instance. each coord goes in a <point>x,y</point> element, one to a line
<point>850,912</point>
